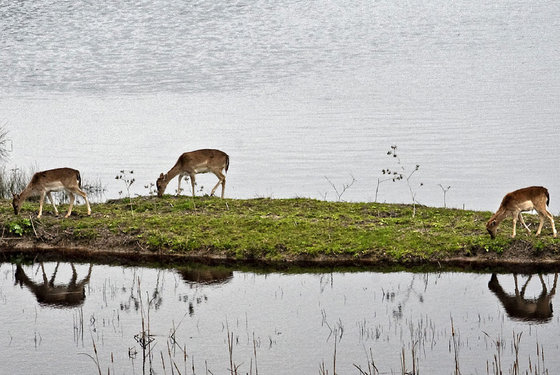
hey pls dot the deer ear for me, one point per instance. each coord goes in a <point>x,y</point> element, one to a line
<point>161,175</point>
<point>493,222</point>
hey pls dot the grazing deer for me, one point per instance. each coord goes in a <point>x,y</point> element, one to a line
<point>191,163</point>
<point>528,309</point>
<point>527,199</point>
<point>43,183</point>
<point>47,293</point>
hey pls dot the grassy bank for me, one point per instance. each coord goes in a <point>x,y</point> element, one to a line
<point>271,230</point>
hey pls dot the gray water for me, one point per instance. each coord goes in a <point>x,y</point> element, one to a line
<point>297,92</point>
<point>277,323</point>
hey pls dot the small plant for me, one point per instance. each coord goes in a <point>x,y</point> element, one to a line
<point>401,173</point>
<point>178,191</point>
<point>444,190</point>
<point>4,143</point>
<point>151,189</point>
<point>343,188</point>
<point>128,180</point>
<point>94,188</point>
<point>12,181</point>
<point>372,369</point>
<point>19,227</point>
<point>186,180</point>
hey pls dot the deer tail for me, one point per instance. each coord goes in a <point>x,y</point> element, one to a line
<point>227,162</point>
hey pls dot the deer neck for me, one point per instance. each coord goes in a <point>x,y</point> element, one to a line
<point>28,191</point>
<point>499,216</point>
<point>173,172</point>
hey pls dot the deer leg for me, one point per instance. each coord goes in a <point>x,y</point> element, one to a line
<point>71,197</point>
<point>193,182</point>
<point>551,218</point>
<point>179,184</point>
<point>525,286</point>
<point>87,204</point>
<point>83,194</point>
<point>51,283</point>
<point>541,223</point>
<point>542,215</point>
<point>515,216</point>
<point>221,180</point>
<point>45,280</point>
<point>516,284</point>
<point>89,272</point>
<point>543,284</point>
<point>41,200</point>
<point>49,196</point>
<point>523,222</point>
<point>74,275</point>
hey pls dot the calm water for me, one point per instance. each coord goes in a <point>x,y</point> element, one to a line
<point>291,321</point>
<point>295,91</point>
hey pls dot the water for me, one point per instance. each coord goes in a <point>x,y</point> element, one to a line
<point>295,91</point>
<point>290,320</point>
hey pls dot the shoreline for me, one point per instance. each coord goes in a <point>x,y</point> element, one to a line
<point>29,250</point>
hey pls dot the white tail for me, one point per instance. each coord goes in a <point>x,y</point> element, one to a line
<point>43,183</point>
<point>192,163</point>
<point>518,201</point>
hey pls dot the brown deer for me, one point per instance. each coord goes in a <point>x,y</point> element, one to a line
<point>45,182</point>
<point>518,201</point>
<point>192,163</point>
<point>518,307</point>
<point>47,293</point>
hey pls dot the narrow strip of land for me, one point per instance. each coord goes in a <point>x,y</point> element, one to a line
<point>277,231</point>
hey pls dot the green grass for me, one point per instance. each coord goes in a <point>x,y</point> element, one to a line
<point>279,229</point>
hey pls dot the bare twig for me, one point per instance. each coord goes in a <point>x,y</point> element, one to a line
<point>444,190</point>
<point>340,193</point>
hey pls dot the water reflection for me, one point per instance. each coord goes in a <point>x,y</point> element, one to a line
<point>527,309</point>
<point>188,312</point>
<point>205,275</point>
<point>47,293</point>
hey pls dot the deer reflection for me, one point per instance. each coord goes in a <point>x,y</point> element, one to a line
<point>205,276</point>
<point>518,307</point>
<point>202,275</point>
<point>47,293</point>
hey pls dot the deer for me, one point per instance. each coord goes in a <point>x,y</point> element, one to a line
<point>192,163</point>
<point>49,294</point>
<point>520,308</point>
<point>522,200</point>
<point>45,182</point>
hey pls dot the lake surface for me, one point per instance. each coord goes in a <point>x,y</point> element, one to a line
<point>296,92</point>
<point>274,323</point>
